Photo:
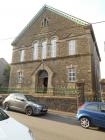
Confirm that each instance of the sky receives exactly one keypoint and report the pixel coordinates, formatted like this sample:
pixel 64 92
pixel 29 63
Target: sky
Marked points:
pixel 16 14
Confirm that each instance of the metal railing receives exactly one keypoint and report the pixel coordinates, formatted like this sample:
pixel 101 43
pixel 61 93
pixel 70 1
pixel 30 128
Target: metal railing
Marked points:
pixel 61 91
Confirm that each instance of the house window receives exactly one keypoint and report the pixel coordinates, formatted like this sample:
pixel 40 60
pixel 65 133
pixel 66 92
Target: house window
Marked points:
pixel 21 53
pixel 19 77
pixel 45 22
pixel 44 49
pixel 72 74
pixel 72 47
pixel 53 47
pixel 35 51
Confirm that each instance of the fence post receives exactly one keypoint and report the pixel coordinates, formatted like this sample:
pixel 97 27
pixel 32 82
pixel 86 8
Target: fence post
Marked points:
pixel 77 100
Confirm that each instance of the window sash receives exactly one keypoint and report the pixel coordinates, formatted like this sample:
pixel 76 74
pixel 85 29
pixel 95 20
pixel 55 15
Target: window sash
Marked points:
pixel 19 77
pixel 72 47
pixel 21 55
pixel 53 48
pixel 35 51
pixel 44 49
pixel 72 74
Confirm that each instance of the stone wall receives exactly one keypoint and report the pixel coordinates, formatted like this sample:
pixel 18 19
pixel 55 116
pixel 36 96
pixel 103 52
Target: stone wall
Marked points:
pixel 67 104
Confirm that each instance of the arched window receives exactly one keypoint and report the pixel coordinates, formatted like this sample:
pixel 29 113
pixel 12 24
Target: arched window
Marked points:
pixel 44 49
pixel 35 51
pixel 21 55
pixel 45 22
pixel 53 47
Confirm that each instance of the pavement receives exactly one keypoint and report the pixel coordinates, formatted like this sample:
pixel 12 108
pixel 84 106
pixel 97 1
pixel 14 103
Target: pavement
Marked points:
pixel 56 112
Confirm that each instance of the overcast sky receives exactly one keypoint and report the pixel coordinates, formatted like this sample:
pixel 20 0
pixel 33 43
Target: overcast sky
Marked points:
pixel 15 14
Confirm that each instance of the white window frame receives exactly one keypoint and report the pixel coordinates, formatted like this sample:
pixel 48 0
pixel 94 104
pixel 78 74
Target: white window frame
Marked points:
pixel 19 77
pixel 35 51
pixel 21 53
pixel 44 49
pixel 53 47
pixel 72 74
pixel 72 47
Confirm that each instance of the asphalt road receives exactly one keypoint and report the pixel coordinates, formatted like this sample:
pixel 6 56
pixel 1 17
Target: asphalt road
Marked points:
pixel 57 127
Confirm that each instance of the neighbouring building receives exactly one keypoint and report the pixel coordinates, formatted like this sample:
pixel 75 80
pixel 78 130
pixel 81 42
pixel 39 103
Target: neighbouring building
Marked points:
pixel 55 50
pixel 102 83
pixel 3 79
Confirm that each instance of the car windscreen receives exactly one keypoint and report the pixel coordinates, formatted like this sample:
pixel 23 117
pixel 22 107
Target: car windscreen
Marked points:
pixel 3 115
pixel 30 98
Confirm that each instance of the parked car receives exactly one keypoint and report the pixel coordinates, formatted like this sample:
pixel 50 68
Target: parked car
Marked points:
pixel 24 103
pixel 92 113
pixel 10 129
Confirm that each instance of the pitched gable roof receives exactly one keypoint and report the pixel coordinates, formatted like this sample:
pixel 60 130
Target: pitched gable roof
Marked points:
pixel 3 61
pixel 63 14
pixel 45 7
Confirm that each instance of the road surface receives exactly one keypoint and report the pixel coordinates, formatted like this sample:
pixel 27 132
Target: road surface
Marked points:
pixel 57 127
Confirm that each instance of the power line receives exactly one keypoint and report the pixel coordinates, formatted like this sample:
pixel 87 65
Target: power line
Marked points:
pixel 9 38
pixel 6 38
pixel 97 22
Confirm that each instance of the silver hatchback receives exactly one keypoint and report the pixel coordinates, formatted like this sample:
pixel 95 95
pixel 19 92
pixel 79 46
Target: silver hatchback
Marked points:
pixel 24 103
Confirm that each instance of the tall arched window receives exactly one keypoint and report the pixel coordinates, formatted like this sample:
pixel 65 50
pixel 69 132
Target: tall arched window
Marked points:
pixel 44 49
pixel 53 47
pixel 21 55
pixel 35 51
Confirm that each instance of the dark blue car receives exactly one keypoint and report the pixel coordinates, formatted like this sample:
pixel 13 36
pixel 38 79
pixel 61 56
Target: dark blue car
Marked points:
pixel 92 113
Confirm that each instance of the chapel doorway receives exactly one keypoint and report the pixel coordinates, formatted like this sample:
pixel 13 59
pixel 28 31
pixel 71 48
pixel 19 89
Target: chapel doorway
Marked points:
pixel 42 81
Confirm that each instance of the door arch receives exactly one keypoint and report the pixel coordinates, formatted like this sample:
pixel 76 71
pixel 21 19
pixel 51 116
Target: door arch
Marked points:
pixel 35 75
pixel 42 82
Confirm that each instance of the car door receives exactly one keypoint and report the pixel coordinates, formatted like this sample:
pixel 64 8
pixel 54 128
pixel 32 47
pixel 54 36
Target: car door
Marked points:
pixel 93 111
pixel 20 103
pixel 11 100
pixel 102 115
pixel 97 112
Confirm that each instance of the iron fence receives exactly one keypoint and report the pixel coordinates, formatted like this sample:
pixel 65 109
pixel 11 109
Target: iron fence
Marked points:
pixel 61 91
pixel 52 91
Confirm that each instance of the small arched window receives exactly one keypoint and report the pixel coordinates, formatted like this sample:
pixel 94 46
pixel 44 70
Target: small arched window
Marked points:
pixel 45 22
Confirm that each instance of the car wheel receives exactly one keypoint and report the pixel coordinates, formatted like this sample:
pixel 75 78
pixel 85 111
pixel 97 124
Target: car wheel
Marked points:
pixel 6 106
pixel 29 111
pixel 85 122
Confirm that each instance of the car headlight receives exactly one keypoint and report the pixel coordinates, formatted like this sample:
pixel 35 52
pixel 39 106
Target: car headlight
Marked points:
pixel 39 107
pixel 30 132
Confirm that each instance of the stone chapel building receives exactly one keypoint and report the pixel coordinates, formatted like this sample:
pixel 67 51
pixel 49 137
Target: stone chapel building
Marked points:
pixel 55 50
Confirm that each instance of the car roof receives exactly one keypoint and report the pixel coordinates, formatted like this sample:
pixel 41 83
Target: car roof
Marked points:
pixel 20 94
pixel 17 93
pixel 94 103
